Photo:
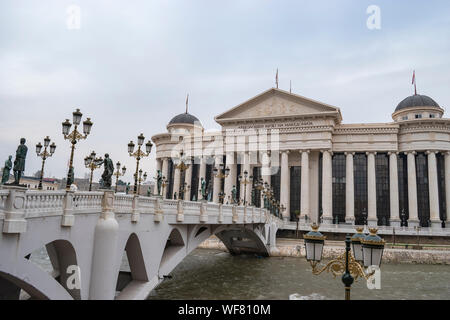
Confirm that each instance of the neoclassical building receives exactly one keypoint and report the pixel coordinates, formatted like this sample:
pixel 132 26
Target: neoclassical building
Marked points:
pixel 390 174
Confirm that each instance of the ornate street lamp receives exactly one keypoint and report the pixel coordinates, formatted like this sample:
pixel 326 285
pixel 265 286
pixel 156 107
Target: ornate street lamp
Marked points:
pixel 118 173
pixel 243 180
pixel 221 173
pixel 138 155
pixel 183 189
pixel 92 163
pixel 140 178
pixel 346 265
pixel 73 137
pixel 182 166
pixel 44 155
pixel 221 197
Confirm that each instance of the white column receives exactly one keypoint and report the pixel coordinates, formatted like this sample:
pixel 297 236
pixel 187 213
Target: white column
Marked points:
pixel 327 190
pixel 433 190
pixel 265 172
pixel 304 193
pixel 188 179
pixel 230 181
pixel 158 164
pixel 165 171
pixel 247 189
pixel 371 190
pixel 284 184
pixel 447 187
pixel 349 189
pixel 176 183
pixel 217 181
pixel 393 190
pixel 202 174
pixel 412 191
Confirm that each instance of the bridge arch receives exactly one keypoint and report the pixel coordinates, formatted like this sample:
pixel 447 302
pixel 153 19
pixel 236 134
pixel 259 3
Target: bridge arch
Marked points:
pixel 27 276
pixel 174 251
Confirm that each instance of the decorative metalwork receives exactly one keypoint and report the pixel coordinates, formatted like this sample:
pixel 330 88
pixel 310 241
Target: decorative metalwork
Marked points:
pixel 139 154
pixel 118 173
pixel 92 163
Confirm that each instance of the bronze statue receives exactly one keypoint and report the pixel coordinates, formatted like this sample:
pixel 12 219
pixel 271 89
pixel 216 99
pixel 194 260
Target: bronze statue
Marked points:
pixel 108 172
pixel 159 181
pixel 234 193
pixel 19 162
pixel 127 188
pixel 6 170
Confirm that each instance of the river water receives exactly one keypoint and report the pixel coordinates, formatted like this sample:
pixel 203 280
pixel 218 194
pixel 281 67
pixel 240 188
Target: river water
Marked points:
pixel 213 274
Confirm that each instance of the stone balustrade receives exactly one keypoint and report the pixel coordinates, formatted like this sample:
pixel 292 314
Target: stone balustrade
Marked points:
pixel 28 204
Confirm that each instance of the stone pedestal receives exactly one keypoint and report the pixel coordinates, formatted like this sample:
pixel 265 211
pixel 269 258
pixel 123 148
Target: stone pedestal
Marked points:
pixel 68 219
pixel 15 210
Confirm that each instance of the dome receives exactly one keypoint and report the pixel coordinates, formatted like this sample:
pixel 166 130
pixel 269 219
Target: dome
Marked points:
pixel 184 118
pixel 416 101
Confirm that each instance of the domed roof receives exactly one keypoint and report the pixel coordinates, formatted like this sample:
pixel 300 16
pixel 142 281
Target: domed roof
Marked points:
pixel 184 118
pixel 416 101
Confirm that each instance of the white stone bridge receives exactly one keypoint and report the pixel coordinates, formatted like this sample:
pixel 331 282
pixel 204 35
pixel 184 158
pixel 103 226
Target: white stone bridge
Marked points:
pixel 86 233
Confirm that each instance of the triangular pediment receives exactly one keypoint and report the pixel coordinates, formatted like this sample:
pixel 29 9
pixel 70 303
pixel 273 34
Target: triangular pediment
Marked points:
pixel 276 103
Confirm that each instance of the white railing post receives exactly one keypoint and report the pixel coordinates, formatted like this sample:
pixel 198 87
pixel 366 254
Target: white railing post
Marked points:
pixel 68 219
pixel 180 211
pixel 15 211
pixel 235 214
pixel 103 273
pixel 135 214
pixel 203 212
pixel 220 218
pixel 158 211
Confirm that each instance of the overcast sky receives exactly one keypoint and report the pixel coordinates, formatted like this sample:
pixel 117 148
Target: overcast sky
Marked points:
pixel 130 64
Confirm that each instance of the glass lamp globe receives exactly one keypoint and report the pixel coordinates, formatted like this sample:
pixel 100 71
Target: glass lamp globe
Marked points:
pixel 314 241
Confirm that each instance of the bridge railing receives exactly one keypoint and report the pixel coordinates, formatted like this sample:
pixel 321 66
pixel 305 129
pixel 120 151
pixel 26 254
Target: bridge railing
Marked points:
pixel 17 205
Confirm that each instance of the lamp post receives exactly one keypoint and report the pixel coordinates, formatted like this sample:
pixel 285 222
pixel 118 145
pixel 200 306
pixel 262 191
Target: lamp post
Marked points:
pixel 139 178
pixel 367 252
pixel 243 180
pixel 44 155
pixel 118 173
pixel 221 173
pixel 221 197
pixel 259 186
pixel 183 189
pixel 139 154
pixel 74 137
pixel 92 163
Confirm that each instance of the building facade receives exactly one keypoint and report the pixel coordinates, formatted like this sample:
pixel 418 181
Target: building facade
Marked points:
pixel 386 174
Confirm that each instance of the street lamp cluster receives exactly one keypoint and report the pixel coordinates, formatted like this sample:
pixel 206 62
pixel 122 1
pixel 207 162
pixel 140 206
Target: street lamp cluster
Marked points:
pixel 367 252
pixel 139 154
pixel 44 155
pixel 243 180
pixel 92 163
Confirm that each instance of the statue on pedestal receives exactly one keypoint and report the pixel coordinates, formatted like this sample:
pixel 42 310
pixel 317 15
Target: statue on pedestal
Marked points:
pixel 19 162
pixel 203 188
pixel 127 188
pixel 6 170
pixel 175 196
pixel 233 194
pixel 159 181
pixel 108 172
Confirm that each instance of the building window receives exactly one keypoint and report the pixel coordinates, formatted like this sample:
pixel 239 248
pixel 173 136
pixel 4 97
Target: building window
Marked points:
pixel 194 181
pixel 275 183
pixel 295 191
pixel 338 187
pixel 360 183
pixel 237 182
pixel 440 159
pixel 418 116
pixel 170 174
pixel 402 167
pixel 423 200
pixel 256 194
pixel 209 181
pixel 432 115
pixel 405 118
pixel 383 193
pixel 320 186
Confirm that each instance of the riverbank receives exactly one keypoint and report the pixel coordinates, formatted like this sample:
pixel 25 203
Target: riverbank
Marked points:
pixel 331 250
